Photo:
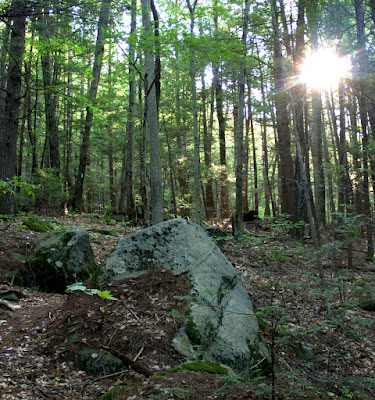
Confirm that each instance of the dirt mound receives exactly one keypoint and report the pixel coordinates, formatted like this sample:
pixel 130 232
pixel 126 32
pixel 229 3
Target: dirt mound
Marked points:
pixel 140 324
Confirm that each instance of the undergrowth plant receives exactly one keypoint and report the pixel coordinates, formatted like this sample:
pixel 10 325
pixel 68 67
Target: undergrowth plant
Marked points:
pixel 106 294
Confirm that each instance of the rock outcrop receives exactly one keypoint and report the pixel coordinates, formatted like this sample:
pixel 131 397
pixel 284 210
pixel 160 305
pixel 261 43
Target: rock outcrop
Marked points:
pixel 221 325
pixel 63 257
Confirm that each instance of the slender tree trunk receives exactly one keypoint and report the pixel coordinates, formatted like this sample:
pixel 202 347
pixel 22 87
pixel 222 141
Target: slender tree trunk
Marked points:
pixel 286 172
pixel 223 178
pixel 196 163
pixel 238 142
pixel 317 155
pixel 144 170
pixel 10 112
pixel 355 149
pixel 150 80
pixel 4 63
pixel 52 133
pixel 255 162
pixel 363 110
pixel 171 170
pixel 69 133
pixel 246 160
pixel 207 148
pixel 266 184
pixel 85 145
pixel 127 196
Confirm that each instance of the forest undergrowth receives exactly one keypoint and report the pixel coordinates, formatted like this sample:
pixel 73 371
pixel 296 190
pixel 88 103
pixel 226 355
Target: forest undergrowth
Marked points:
pixel 319 352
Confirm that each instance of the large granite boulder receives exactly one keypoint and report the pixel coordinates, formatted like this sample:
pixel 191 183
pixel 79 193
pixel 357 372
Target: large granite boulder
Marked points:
pixel 221 324
pixel 63 257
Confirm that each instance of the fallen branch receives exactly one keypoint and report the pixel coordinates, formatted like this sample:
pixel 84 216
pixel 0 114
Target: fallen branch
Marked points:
pixel 6 304
pixel 134 365
pixel 18 293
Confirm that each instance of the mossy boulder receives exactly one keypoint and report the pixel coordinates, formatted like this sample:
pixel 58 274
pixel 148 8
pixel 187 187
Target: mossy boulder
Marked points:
pixel 368 304
pixel 98 362
pixel 63 257
pixel 221 324
pixel 37 224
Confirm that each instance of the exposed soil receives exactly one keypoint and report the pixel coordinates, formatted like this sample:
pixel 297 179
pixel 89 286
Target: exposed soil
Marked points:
pixel 324 343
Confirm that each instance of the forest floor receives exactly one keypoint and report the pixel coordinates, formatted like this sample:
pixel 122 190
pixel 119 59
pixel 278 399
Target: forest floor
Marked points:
pixel 323 340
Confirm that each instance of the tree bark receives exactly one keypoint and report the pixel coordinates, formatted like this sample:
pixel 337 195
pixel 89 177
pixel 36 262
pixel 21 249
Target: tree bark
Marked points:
pixel 286 172
pixel 238 142
pixel 224 209
pixel 127 195
pixel 196 162
pixel 9 114
pixel 207 148
pixel 363 110
pixel 150 80
pixel 52 133
pixel 85 145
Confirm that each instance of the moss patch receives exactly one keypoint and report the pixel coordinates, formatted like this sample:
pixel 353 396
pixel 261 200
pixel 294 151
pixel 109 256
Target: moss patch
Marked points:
pixel 210 367
pixel 37 224
pixel 106 232
pixel 113 393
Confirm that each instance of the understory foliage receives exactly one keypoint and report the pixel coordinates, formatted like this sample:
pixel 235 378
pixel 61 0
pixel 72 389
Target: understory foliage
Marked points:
pixel 318 352
pixel 230 110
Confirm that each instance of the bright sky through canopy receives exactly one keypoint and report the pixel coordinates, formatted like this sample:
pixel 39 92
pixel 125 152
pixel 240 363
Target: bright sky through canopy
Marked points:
pixel 323 69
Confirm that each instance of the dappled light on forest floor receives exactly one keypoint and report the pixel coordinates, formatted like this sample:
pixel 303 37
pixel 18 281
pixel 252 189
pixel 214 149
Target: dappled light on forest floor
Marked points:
pixel 319 355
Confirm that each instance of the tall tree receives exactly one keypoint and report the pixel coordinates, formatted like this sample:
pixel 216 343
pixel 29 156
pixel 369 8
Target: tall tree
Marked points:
pixel 52 135
pixel 192 73
pixel 9 110
pixel 151 105
pixel 77 201
pixel 127 195
pixel 286 172
pixel 207 148
pixel 363 111
pixel 238 216
pixel 224 208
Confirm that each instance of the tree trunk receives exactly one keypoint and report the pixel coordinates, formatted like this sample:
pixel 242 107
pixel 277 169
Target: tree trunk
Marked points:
pixel 207 148
pixel 127 196
pixel 52 133
pixel 223 178
pixel 150 80
pixel 85 145
pixel 286 172
pixel 9 114
pixel 255 162
pixel 196 163
pixel 144 170
pixel 363 111
pixel 238 142
pixel 266 184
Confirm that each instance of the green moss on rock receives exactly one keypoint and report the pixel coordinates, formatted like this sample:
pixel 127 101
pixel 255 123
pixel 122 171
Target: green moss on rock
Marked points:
pixel 113 393
pixel 210 367
pixel 368 304
pixel 37 224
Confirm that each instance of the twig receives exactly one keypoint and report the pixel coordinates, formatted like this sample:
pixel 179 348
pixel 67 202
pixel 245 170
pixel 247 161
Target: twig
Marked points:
pixel 4 291
pixel 139 353
pixel 107 376
pixel 6 304
pixel 134 365
pixel 135 315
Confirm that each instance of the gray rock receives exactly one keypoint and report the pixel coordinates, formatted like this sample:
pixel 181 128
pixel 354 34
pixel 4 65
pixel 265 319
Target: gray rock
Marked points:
pixel 99 362
pixel 62 258
pixel 221 323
